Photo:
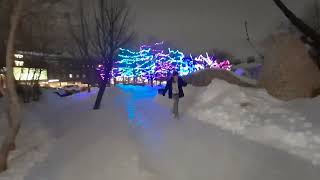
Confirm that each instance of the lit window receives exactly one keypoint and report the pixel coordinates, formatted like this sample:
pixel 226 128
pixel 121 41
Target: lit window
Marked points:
pixel 18 56
pixel 77 75
pixel 19 63
pixel 84 76
pixel 70 75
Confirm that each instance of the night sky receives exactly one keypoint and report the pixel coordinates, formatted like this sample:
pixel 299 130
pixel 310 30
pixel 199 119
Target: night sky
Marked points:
pixel 199 25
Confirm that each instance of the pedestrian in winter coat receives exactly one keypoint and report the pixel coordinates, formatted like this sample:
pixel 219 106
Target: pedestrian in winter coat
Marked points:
pixel 174 86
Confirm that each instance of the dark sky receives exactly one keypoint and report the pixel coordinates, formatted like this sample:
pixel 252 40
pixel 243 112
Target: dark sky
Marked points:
pixel 199 25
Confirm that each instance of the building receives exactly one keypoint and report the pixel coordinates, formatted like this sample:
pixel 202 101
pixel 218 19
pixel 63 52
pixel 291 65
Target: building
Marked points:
pixel 53 70
pixel 69 71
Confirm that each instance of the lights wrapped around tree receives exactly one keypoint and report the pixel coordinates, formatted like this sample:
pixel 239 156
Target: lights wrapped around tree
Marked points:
pixel 166 62
pixel 134 64
pixel 153 62
pixel 203 62
pixel 226 65
pixel 101 71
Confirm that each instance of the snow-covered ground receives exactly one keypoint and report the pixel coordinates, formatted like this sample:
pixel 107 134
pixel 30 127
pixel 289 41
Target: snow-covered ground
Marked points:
pixel 78 138
pixel 33 142
pixel 290 126
pixel 133 136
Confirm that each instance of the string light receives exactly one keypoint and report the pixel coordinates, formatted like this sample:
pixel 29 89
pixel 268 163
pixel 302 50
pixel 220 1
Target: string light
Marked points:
pixel 153 62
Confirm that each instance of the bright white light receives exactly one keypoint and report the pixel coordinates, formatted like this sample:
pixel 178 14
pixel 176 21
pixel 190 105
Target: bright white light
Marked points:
pixel 53 80
pixel 28 74
pixel 19 63
pixel 18 56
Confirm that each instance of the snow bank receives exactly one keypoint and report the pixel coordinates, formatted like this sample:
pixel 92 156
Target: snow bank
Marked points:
pixel 206 76
pixel 254 114
pixel 29 152
pixel 33 143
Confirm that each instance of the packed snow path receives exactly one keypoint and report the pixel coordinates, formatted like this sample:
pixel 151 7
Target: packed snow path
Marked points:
pixel 133 137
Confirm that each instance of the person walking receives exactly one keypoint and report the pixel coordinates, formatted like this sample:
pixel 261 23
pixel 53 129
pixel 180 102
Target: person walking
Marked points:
pixel 174 87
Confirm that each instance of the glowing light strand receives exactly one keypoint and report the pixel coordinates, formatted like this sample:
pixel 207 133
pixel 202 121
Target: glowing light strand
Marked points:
pixel 153 62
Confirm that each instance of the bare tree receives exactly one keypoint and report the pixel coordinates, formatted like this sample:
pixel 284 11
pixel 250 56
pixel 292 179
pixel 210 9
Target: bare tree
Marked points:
pixel 35 36
pixel 311 15
pixel 17 10
pixel 316 19
pixel 14 106
pixel 80 34
pixel 2 82
pixel 221 54
pixel 101 33
pixel 5 10
pixel 250 41
pixel 310 35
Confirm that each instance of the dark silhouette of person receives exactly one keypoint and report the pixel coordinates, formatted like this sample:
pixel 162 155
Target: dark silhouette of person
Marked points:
pixel 174 87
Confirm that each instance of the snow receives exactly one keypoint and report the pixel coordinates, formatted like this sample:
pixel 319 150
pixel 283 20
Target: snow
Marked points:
pixel 134 137
pixel 245 79
pixel 255 115
pixel 33 143
pixel 82 136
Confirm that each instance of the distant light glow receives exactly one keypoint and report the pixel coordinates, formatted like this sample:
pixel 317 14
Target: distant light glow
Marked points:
pixel 53 80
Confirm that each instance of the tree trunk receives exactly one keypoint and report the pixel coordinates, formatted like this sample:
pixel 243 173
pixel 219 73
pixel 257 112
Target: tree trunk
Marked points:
pixel 302 26
pixel 13 102
pixel 152 81
pixel 21 72
pixel 29 69
pixel 38 78
pixel 100 95
pixel 2 81
pixel 89 88
pixel 135 81
pixel 104 83
pixel 114 81
pixel 33 76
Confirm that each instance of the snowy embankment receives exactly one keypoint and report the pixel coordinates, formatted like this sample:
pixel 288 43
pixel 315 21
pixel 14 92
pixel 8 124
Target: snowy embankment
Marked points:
pixel 33 142
pixel 204 77
pixel 252 113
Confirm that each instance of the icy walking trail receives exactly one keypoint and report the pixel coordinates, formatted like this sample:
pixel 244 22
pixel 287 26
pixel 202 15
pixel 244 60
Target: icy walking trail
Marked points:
pixel 92 144
pixel 134 137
